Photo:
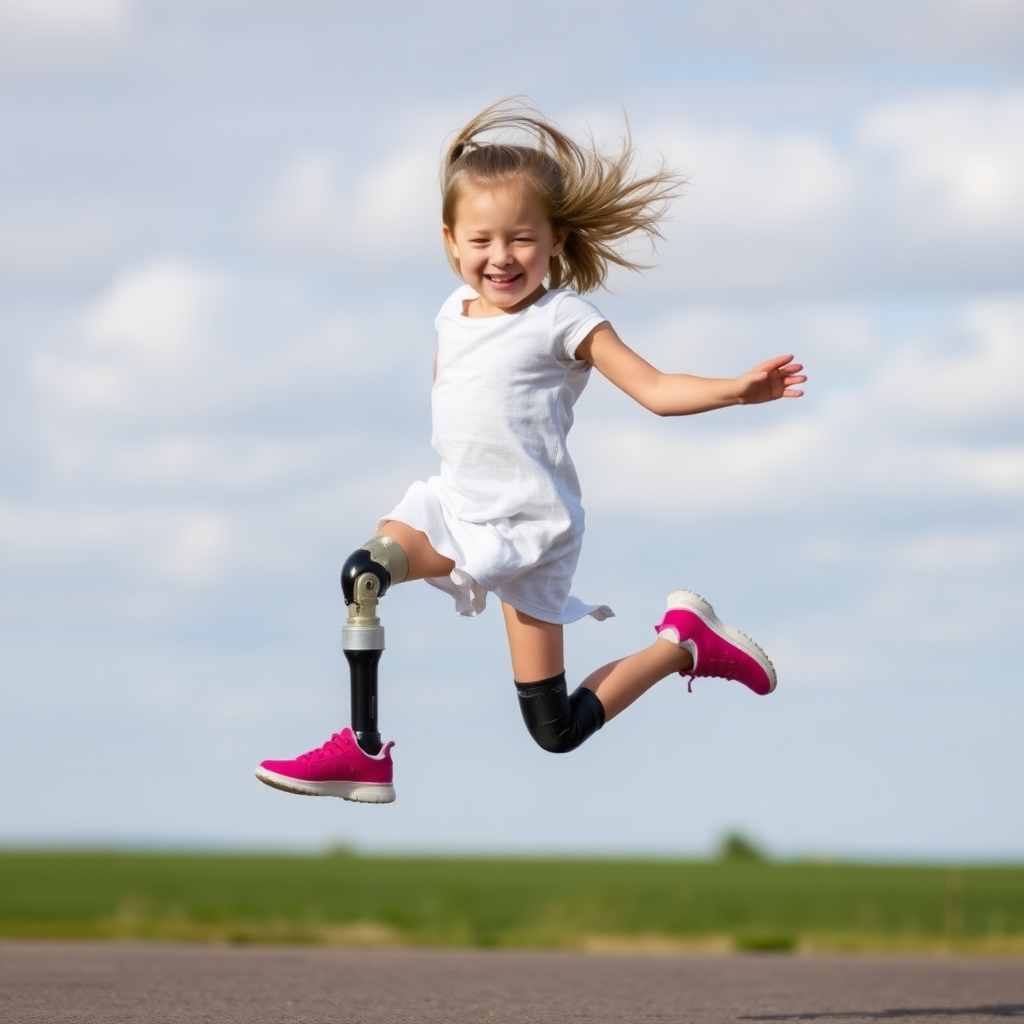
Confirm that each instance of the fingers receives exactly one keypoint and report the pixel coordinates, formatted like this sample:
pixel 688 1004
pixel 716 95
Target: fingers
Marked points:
pixel 788 381
pixel 789 372
pixel 790 375
pixel 778 371
pixel 772 365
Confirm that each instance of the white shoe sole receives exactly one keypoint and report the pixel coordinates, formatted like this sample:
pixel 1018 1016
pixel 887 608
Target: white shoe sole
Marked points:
pixel 357 792
pixel 688 600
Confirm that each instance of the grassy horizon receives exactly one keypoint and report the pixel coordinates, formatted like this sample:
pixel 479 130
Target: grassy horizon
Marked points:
pixel 344 898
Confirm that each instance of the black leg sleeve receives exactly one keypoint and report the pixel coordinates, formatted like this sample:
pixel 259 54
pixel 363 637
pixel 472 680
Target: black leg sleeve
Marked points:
pixel 557 721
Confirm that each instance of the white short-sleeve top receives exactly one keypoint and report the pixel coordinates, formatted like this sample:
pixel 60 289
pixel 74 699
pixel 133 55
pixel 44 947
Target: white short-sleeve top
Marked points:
pixel 503 405
pixel 509 509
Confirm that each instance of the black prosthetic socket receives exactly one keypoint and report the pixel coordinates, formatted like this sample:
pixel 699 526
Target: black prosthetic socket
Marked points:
pixel 558 721
pixel 356 564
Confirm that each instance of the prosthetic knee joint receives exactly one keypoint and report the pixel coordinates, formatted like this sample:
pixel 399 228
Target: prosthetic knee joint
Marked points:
pixel 365 578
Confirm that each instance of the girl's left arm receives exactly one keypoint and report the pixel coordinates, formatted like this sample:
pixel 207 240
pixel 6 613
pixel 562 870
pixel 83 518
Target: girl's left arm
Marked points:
pixel 681 394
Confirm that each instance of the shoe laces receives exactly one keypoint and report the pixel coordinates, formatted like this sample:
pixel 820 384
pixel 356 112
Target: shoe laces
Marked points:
pixel 720 668
pixel 709 667
pixel 337 744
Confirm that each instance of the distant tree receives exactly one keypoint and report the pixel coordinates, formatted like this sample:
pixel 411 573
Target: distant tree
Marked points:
pixel 736 846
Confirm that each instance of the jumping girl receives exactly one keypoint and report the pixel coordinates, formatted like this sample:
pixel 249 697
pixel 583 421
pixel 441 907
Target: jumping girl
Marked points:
pixel 531 219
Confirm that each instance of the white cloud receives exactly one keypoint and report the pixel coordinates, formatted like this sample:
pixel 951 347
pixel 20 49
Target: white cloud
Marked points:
pixel 656 471
pixel 969 550
pixel 974 384
pixel 171 462
pixel 957 159
pixel 307 208
pixel 170 346
pixel 996 470
pixel 386 211
pixel 964 549
pixel 140 343
pixel 168 338
pixel 195 551
pixel 189 545
pixel 58 38
pixel 749 181
pixel 60 17
pixel 809 32
pixel 160 313
pixel 180 382
pixel 840 460
pixel 922 192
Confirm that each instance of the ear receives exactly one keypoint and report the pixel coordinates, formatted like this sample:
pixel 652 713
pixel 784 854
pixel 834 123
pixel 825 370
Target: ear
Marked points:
pixel 450 239
pixel 561 236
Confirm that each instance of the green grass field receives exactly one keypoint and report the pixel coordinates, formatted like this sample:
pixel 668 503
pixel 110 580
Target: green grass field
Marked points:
pixel 579 904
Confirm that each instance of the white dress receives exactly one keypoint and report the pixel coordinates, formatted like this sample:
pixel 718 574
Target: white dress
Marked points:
pixel 506 506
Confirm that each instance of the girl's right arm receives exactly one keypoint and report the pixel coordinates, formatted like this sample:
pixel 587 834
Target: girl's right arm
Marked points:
pixel 682 394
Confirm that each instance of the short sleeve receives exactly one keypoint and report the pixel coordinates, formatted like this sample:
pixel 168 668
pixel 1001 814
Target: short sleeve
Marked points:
pixel 452 308
pixel 573 318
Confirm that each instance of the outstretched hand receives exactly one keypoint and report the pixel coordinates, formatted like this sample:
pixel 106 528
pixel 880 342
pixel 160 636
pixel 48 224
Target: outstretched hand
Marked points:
pixel 770 380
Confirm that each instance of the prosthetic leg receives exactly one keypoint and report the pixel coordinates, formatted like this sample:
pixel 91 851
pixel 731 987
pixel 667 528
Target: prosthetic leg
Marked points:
pixel 353 764
pixel 365 578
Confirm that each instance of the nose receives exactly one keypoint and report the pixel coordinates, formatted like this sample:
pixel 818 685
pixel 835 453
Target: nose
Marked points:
pixel 500 255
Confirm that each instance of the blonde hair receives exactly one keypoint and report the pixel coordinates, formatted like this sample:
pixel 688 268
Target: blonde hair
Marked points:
pixel 597 199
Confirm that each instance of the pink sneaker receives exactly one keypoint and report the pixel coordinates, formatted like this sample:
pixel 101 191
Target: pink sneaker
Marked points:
pixel 717 649
pixel 339 768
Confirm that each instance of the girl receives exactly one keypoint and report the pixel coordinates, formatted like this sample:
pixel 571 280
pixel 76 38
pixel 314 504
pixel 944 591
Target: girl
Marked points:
pixel 504 515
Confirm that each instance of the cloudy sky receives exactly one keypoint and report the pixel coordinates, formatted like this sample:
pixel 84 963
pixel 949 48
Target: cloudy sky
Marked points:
pixel 220 261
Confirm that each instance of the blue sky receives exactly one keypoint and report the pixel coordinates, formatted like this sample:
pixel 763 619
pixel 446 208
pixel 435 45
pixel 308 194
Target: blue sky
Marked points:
pixel 220 262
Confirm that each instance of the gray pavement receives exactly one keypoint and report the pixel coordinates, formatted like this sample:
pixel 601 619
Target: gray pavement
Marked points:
pixel 109 982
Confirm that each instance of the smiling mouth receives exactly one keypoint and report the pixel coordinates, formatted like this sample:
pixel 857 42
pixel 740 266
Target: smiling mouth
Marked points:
pixel 502 279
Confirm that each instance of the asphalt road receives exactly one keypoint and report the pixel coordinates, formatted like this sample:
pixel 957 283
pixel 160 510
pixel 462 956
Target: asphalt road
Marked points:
pixel 107 982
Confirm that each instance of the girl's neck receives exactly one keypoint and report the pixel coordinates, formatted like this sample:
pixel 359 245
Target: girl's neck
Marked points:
pixel 479 309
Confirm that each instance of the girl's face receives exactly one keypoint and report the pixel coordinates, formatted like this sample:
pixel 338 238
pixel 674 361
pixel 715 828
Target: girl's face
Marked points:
pixel 504 243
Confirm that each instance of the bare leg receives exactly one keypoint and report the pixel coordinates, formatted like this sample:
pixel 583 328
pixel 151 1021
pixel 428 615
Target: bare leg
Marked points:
pixel 537 651
pixel 536 647
pixel 424 561
pixel 620 683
